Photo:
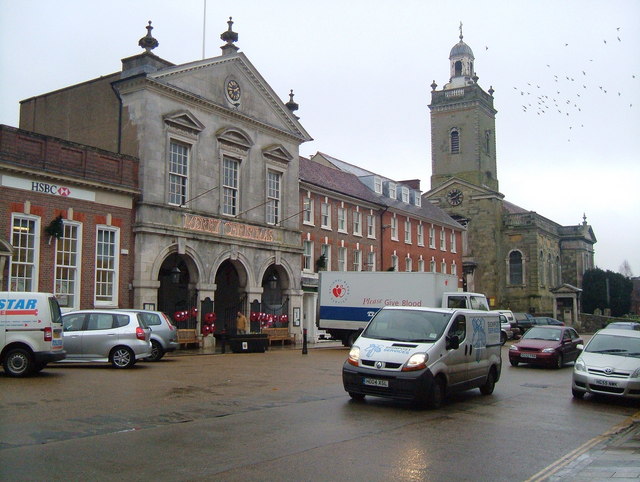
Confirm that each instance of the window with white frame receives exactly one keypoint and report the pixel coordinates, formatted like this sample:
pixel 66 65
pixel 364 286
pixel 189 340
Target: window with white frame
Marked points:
pixel 392 190
pixel 454 268
pixel 420 234
pixel 357 260
pixel 342 259
pixel 418 199
pixel 432 237
pixel 307 256
pixel 432 265
pixel 394 262
pixel 443 240
pixel 377 185
pixel 405 194
pixel 178 172
pixel 371 226
pixel 274 186
pixel 453 242
pixel 230 185
pixel 408 262
pixel 371 261
pixel 407 231
pixel 67 266
pixel 107 249
pixel 307 208
pixel 25 239
pixel 421 265
pixel 357 223
pixel 325 215
pixel 394 228
pixel 342 220
pixel 325 250
pixel 443 266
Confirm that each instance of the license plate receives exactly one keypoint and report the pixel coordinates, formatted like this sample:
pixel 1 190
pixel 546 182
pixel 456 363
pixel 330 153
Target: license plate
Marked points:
pixel 605 383
pixel 528 355
pixel 376 382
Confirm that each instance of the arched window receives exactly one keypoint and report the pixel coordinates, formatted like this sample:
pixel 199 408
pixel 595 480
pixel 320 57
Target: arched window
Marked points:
pixel 458 68
pixel 454 141
pixel 515 268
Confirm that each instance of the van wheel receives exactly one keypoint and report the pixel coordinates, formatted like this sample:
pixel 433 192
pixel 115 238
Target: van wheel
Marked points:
pixel 490 384
pixel 436 396
pixel 122 357
pixel 18 363
pixel 156 351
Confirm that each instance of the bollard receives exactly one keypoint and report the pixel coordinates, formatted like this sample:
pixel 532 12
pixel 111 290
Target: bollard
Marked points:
pixel 304 341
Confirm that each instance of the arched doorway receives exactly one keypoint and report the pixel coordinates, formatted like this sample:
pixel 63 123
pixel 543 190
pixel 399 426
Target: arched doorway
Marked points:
pixel 230 296
pixel 274 303
pixel 177 293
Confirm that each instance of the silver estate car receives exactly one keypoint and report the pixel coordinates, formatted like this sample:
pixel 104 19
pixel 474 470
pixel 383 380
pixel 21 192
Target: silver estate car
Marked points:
pixel 609 365
pixel 164 335
pixel 117 337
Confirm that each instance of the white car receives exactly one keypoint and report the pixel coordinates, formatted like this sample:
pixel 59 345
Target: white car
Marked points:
pixel 609 365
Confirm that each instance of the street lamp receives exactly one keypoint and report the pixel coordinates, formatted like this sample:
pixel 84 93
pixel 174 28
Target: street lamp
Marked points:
pixel 272 281
pixel 175 275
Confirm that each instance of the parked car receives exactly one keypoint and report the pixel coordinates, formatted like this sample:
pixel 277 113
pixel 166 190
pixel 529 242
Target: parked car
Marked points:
pixel 506 332
pixel 550 346
pixel 624 325
pixel 609 365
pixel 522 321
pixel 512 321
pixel 164 335
pixel 120 338
pixel 546 320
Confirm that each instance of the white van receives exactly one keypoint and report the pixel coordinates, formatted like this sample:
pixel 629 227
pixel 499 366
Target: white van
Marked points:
pixel 30 332
pixel 421 354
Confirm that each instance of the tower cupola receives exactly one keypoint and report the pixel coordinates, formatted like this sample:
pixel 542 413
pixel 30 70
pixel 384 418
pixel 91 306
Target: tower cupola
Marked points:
pixel 461 65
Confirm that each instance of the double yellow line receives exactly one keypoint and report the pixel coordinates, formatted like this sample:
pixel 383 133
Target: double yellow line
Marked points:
pixel 574 454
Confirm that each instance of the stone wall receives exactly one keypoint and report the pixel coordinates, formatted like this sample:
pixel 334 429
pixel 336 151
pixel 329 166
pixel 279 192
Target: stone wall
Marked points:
pixel 588 323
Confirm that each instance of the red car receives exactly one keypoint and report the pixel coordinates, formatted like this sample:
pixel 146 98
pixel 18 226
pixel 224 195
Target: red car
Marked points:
pixel 548 345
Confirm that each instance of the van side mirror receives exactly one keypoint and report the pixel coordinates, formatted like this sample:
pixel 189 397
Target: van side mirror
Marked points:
pixel 580 346
pixel 453 342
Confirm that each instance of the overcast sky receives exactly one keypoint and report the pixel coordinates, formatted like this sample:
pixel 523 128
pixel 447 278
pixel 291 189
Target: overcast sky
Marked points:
pixel 566 76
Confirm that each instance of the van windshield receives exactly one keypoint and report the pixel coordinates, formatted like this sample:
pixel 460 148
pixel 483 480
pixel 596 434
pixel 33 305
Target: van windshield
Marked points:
pixel 407 325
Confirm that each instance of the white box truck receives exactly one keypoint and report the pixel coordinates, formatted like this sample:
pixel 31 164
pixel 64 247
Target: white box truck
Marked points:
pixel 349 299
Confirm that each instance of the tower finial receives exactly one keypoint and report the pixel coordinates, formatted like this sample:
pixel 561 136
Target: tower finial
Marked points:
pixel 461 30
pixel 148 42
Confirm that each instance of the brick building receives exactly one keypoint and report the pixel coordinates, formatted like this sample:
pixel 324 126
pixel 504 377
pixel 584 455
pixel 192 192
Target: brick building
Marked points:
pixel 356 220
pixel 66 217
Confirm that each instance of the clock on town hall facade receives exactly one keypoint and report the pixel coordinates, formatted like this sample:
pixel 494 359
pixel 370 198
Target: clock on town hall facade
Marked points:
pixel 518 258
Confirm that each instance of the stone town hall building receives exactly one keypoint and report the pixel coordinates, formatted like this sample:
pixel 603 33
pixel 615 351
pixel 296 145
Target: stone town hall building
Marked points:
pixel 522 261
pixel 205 230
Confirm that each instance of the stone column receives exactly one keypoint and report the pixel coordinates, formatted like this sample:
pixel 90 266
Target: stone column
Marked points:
pixel 145 291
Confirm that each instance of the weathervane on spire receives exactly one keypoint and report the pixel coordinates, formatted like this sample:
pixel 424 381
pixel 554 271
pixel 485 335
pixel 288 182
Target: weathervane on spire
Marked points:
pixel 460 30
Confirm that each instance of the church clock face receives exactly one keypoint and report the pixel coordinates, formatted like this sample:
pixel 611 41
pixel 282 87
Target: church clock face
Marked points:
pixel 233 90
pixel 454 197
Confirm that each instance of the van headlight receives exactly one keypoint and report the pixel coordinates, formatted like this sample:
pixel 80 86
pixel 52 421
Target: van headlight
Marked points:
pixel 354 356
pixel 418 361
pixel 579 366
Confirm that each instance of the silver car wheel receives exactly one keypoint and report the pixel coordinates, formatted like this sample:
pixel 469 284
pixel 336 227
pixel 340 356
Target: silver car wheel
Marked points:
pixel 122 357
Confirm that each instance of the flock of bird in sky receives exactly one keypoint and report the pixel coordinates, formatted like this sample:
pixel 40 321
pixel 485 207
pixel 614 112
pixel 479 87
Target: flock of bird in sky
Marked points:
pixel 565 92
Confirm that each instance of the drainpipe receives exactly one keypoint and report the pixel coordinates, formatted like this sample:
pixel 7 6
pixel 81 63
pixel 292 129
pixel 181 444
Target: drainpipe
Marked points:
pixel 119 136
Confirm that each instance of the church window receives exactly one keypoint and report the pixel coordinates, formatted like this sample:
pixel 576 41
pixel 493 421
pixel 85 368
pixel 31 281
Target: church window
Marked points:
pixel 458 68
pixel 454 138
pixel 541 269
pixel 516 268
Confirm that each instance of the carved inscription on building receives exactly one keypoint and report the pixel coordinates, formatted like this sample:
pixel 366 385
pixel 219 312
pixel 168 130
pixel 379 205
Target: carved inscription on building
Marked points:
pixel 228 228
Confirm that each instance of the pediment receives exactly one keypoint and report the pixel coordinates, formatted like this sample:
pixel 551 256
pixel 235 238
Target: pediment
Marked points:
pixel 185 121
pixel 207 82
pixel 468 187
pixel 234 136
pixel 277 153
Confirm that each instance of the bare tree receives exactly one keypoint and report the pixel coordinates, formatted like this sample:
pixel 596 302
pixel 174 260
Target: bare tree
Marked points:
pixel 625 269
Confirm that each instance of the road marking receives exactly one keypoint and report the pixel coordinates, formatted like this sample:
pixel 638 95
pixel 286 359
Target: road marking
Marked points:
pixel 574 454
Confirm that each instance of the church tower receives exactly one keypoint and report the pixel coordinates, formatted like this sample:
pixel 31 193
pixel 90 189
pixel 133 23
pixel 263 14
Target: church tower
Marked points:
pixel 463 143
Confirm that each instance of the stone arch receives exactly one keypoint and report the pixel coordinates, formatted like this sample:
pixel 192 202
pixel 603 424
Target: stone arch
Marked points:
pixel 239 261
pixel 190 257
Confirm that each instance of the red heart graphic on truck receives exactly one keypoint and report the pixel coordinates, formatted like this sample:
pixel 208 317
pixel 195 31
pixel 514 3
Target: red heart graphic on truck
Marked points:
pixel 337 291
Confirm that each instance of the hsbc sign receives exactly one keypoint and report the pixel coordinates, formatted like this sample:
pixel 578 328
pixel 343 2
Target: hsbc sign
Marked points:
pixel 48 188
